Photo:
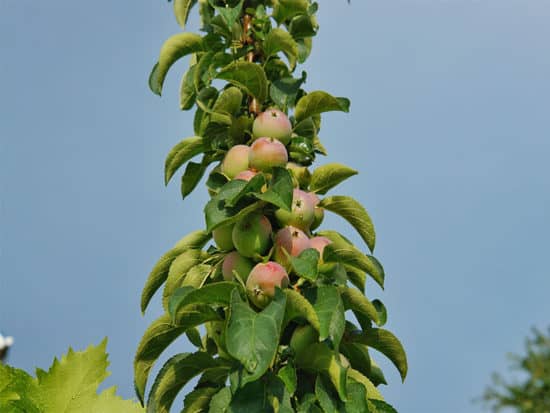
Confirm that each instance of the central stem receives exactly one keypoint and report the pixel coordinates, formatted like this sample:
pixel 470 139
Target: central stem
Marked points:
pixel 253 105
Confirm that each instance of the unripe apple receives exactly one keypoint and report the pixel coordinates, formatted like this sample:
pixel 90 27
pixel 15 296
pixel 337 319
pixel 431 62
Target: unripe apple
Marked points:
pixel 318 212
pixel 293 241
pixel 300 174
pixel 302 213
pixel 252 235
pixel 274 124
pixel 235 161
pixel 223 237
pixel 319 243
pixel 266 153
pixel 236 263
pixel 302 339
pixel 262 281
pixel 246 175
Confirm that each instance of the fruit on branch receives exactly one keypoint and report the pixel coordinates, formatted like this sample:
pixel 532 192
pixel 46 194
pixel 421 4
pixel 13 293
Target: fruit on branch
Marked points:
pixel 273 124
pixel 293 241
pixel 318 212
pixel 246 175
pixel 223 237
pixel 235 161
pixel 266 153
pixel 300 174
pixel 262 281
pixel 302 338
pixel 235 264
pixel 302 213
pixel 319 243
pixel 252 235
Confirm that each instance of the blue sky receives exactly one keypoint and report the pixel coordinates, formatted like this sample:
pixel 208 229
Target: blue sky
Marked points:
pixel 449 129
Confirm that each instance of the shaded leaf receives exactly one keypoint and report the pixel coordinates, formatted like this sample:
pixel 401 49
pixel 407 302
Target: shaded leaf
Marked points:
pixel 279 40
pixel 284 91
pixel 306 263
pixel 354 300
pixel 298 307
pixel 285 10
pixel 181 153
pixel 280 191
pixel 178 271
pixel 187 89
pixel 247 76
pixel 288 375
pixel 220 401
pixel 318 102
pixel 217 294
pixel 198 401
pixel 329 308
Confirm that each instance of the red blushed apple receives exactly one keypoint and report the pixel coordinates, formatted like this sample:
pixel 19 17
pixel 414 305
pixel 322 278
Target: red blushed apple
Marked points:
pixel 274 124
pixel 293 241
pixel 318 212
pixel 223 237
pixel 252 235
pixel 235 263
pixel 266 153
pixel 302 214
pixel 246 175
pixel 319 243
pixel 262 281
pixel 235 161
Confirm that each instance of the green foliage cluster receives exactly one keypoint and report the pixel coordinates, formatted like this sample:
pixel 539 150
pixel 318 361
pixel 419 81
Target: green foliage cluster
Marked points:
pixel 532 394
pixel 245 361
pixel 69 386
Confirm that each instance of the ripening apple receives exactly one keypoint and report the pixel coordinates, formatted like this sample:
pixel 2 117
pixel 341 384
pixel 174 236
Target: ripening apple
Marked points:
pixel 293 241
pixel 318 212
pixel 235 161
pixel 223 237
pixel 236 263
pixel 262 281
pixel 300 174
pixel 319 243
pixel 266 153
pixel 302 212
pixel 302 339
pixel 274 124
pixel 252 235
pixel 246 175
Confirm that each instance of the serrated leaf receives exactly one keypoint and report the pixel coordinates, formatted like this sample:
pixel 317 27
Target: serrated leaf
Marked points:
pixel 279 40
pixel 354 300
pixel 253 338
pixel 173 376
pixel 357 277
pixel 18 391
pixel 196 276
pixel 251 187
pixel 383 407
pixel 228 14
pixel 353 212
pixel 386 343
pixel 173 49
pixel 181 10
pixel 328 305
pixel 220 401
pixel 217 294
pixel 198 401
pixel 284 91
pixel 357 398
pixel 326 400
pixel 358 356
pixel 187 89
pixel 247 76
pixel 306 263
pixel 372 391
pixel 284 10
pixel 159 335
pixel 298 307
pixel 317 102
pixel 178 271
pixel 328 176
pixel 280 190
pixel 229 101
pixel 181 153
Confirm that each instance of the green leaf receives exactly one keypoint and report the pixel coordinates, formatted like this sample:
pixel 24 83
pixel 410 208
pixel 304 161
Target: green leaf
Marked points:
pixel 303 26
pixel 252 398
pixel 372 391
pixel 197 275
pixel 187 89
pixel 382 312
pixel 298 307
pixel 159 335
pixel 178 271
pixel 386 343
pixel 288 375
pixel 357 277
pixel 173 49
pixel 229 101
pixel 317 102
pixel 357 398
pixel 194 336
pixel 173 376
pixel 198 400
pixel 278 395
pixel 217 294
pixel 353 212
pixel 220 401
pixel 284 10
pixel 251 187
pixel 181 153
pixel 327 401
pixel 181 10
pixel 280 191
pixel 329 308
pixel 354 300
pixel 18 391
pixel 383 407
pixel 279 40
pixel 304 48
pixel 247 76
pixel 342 251
pixel 306 263
pixel 284 91
pixel 191 177
pixel 229 14
pixel 328 176
pixel 253 338
pixel 158 275
pixel 358 356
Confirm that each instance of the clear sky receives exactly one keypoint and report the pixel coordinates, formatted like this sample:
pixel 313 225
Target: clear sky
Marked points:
pixel 449 127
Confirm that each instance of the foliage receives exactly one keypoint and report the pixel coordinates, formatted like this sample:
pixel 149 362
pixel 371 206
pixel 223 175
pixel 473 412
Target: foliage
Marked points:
pixel 532 395
pixel 299 353
pixel 69 386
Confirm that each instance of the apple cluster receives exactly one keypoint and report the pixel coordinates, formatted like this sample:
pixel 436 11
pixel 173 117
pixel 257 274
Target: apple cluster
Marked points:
pixel 259 245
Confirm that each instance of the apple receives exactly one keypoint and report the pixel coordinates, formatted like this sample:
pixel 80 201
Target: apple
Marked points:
pixel 293 241
pixel 235 161
pixel 318 212
pixel 319 243
pixel 266 153
pixel 246 175
pixel 223 237
pixel 236 263
pixel 252 235
pixel 300 174
pixel 274 124
pixel 262 281
pixel 302 338
pixel 302 214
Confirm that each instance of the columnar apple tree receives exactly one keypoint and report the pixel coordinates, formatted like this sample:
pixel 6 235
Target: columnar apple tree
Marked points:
pixel 263 289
